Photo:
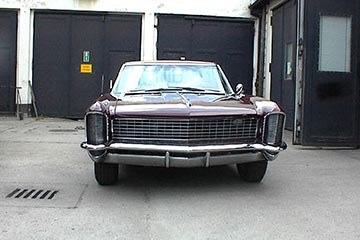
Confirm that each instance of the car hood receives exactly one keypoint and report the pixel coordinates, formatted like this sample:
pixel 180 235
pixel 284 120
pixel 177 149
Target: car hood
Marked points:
pixel 183 105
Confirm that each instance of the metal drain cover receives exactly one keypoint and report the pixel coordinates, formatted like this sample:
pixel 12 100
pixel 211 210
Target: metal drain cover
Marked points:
pixel 32 194
pixel 39 195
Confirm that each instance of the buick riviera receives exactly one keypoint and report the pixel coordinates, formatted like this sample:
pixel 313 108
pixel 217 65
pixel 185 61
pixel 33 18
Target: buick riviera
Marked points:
pixel 181 114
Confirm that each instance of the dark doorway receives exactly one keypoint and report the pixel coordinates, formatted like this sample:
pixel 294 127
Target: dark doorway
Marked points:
pixel 283 59
pixel 76 56
pixel 331 95
pixel 8 42
pixel 226 41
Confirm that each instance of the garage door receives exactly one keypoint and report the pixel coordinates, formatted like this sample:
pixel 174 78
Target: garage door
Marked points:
pixel 8 35
pixel 227 41
pixel 76 56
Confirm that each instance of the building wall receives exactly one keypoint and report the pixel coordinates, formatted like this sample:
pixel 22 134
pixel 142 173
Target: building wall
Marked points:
pixel 148 8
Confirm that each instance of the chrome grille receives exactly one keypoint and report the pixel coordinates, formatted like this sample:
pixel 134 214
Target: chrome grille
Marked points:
pixel 196 131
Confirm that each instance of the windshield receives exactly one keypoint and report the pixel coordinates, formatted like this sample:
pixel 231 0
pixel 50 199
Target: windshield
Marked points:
pixel 138 78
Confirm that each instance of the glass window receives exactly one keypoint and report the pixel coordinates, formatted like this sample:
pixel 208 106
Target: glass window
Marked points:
pixel 148 77
pixel 335 44
pixel 288 61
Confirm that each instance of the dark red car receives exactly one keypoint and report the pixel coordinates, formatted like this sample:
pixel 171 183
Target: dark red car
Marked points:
pixel 181 114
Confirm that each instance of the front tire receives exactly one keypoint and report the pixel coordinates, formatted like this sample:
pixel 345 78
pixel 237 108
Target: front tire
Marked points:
pixel 252 171
pixel 106 173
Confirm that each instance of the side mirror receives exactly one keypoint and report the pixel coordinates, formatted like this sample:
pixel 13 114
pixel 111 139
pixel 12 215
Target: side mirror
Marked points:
pixel 239 89
pixel 111 84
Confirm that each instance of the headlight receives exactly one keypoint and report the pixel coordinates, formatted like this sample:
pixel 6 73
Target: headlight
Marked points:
pixel 96 128
pixel 274 128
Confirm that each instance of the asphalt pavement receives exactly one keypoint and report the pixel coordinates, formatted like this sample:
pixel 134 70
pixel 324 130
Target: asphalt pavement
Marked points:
pixel 48 191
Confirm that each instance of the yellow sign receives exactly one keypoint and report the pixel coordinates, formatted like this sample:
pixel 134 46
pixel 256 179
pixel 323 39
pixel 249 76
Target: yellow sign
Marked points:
pixel 85 68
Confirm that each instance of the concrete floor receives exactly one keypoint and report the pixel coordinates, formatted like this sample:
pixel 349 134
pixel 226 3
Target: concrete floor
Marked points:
pixel 306 193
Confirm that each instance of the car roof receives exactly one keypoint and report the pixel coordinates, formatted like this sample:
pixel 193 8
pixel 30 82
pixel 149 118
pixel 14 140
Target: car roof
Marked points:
pixel 170 62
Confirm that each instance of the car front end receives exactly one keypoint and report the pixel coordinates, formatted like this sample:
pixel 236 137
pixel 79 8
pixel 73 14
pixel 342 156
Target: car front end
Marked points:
pixel 182 127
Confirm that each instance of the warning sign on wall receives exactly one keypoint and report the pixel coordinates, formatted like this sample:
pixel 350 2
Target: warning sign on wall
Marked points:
pixel 85 68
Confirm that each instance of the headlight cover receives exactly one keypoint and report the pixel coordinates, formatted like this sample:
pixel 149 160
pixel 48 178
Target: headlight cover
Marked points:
pixel 273 128
pixel 96 128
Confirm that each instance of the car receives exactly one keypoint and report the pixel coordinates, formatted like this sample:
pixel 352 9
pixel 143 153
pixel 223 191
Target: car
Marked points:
pixel 181 114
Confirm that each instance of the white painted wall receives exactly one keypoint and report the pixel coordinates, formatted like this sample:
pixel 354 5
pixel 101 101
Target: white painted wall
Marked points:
pixel 223 8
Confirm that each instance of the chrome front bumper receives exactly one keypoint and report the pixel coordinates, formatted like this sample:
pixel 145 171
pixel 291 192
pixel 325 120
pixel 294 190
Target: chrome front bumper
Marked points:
pixel 182 156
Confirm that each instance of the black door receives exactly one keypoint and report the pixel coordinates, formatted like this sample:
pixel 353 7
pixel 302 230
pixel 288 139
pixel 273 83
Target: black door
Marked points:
pixel 226 41
pixel 76 55
pixel 331 96
pixel 8 36
pixel 87 36
pixel 51 77
pixel 122 44
pixel 283 59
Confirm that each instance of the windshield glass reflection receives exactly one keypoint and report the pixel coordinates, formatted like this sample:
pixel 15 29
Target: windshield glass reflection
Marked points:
pixel 137 78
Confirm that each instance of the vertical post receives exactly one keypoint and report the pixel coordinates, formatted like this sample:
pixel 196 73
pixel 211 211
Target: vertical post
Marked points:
pixel 149 37
pixel 24 51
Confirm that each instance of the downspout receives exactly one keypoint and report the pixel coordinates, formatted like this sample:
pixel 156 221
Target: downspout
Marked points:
pixel 300 72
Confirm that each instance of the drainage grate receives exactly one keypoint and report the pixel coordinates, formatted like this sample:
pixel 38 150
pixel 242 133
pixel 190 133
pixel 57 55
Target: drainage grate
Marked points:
pixel 19 193
pixel 50 195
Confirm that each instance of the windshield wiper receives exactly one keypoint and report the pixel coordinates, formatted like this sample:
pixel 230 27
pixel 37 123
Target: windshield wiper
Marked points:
pixel 138 92
pixel 194 89
pixel 144 91
pixel 150 90
pixel 227 97
pixel 172 89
